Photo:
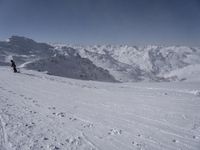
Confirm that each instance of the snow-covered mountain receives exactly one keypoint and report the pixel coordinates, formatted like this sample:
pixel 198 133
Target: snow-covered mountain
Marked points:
pixel 72 66
pixel 132 63
pixel 43 57
pixel 104 62
pixel 23 50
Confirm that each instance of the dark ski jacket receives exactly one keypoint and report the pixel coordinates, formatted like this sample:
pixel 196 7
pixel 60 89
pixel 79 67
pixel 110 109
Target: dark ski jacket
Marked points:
pixel 13 64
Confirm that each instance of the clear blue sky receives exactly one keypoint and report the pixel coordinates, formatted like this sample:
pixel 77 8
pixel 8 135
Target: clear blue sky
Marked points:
pixel 103 21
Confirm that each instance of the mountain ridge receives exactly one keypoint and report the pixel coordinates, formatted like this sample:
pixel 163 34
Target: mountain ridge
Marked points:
pixel 122 63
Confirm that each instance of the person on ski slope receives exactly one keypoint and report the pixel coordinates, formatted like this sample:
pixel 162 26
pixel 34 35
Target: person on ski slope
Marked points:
pixel 13 65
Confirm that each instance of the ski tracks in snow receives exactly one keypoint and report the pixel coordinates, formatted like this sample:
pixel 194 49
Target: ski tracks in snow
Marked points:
pixel 2 136
pixel 25 121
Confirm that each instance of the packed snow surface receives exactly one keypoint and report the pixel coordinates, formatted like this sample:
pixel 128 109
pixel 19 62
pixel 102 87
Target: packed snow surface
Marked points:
pixel 42 112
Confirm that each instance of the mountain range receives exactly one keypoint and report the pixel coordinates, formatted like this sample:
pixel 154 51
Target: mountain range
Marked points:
pixel 110 63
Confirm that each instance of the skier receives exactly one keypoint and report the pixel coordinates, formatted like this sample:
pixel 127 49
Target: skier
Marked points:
pixel 13 66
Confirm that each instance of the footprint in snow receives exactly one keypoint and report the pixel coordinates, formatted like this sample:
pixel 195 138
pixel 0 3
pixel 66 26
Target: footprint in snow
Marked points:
pixel 138 145
pixel 36 103
pixel 11 92
pixel 72 119
pixel 195 137
pixel 139 135
pixel 9 105
pixel 74 141
pixel 26 98
pixel 174 141
pixel 21 95
pixel 32 112
pixel 87 125
pixel 61 114
pixel 45 138
pixel 53 147
pixel 115 132
pixel 30 125
pixel 51 108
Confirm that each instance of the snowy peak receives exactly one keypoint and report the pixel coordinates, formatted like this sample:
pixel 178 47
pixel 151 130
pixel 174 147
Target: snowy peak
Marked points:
pixel 121 62
pixel 148 62
pixel 28 46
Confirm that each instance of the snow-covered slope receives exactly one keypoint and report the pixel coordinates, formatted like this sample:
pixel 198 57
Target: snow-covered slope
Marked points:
pixel 40 56
pixel 72 67
pixel 189 73
pixel 42 112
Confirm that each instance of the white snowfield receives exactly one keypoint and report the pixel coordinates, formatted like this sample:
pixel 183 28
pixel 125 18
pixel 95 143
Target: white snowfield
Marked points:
pixel 42 112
